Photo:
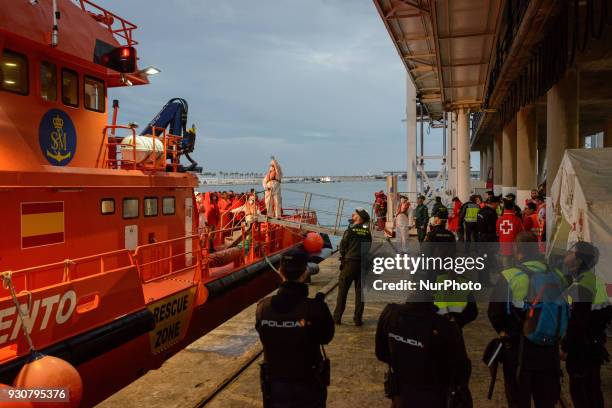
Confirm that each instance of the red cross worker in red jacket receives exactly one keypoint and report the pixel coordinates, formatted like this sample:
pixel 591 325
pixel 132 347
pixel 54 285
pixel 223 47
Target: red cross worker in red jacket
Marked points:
pixel 508 227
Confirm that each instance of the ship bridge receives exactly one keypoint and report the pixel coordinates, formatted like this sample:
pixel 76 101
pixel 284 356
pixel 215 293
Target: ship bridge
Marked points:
pixel 518 81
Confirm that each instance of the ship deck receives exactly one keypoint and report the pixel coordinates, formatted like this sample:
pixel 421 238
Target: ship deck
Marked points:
pixel 221 369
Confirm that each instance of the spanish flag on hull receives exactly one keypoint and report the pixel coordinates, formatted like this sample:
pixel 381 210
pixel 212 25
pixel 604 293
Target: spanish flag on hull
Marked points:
pixel 42 224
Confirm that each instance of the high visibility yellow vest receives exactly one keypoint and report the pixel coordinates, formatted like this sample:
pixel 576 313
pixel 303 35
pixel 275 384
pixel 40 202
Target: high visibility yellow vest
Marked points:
pixel 518 281
pixel 471 212
pixel 596 287
pixel 453 301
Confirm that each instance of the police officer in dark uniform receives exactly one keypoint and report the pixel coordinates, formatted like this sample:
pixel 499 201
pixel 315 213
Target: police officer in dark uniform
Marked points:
pixel 437 206
pixel 425 353
pixel 487 232
pixel 438 232
pixel 421 218
pixel 355 241
pixel 292 329
pixel 487 221
pixel 439 243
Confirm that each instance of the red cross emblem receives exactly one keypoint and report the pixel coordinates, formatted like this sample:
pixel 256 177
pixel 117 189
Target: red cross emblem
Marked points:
pixel 506 227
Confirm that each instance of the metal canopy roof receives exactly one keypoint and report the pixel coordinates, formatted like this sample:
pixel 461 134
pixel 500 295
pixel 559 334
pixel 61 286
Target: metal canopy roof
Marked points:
pixel 446 46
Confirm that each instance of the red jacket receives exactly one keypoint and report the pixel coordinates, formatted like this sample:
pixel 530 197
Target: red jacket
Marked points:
pixel 453 221
pixel 508 227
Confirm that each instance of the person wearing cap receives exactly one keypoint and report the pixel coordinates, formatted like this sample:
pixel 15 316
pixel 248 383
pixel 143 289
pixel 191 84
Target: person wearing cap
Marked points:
pixel 272 189
pixel 356 241
pixel 421 217
pixel 292 329
pixel 425 354
pixel 584 345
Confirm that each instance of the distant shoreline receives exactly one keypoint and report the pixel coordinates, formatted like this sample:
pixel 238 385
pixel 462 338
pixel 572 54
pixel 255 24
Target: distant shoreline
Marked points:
pixel 290 180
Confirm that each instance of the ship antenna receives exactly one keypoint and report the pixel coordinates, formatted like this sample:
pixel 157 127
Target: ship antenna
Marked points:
pixel 55 32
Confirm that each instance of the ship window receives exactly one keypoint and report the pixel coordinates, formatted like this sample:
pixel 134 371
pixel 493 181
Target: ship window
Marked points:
pixel 94 94
pixel 107 206
pixel 150 206
pixel 48 81
pixel 70 87
pixel 130 208
pixel 14 72
pixel 168 204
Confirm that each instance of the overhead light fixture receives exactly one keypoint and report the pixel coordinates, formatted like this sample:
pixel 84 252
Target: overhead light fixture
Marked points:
pixel 123 79
pixel 9 82
pixel 150 70
pixel 10 64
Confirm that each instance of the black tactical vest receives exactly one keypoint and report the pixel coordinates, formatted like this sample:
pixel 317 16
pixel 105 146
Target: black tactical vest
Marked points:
pixel 289 348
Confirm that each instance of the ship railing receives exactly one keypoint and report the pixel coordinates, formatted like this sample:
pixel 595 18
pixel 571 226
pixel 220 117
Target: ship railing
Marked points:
pixel 119 27
pixel 329 211
pixel 158 260
pixel 155 261
pixel 124 155
pixel 40 276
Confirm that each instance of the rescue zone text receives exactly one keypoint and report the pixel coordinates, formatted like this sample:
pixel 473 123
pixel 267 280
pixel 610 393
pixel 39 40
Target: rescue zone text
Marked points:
pixel 425 285
pixel 413 264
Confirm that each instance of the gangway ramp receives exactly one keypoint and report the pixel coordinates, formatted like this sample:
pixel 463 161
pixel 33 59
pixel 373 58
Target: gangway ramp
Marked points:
pixel 331 212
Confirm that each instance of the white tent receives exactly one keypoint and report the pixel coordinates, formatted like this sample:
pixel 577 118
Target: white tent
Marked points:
pixel 580 206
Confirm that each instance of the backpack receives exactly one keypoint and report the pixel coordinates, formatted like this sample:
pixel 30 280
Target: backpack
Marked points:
pixel 546 308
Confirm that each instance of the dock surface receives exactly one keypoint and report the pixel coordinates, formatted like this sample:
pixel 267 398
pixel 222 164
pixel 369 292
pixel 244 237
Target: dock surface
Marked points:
pixel 221 369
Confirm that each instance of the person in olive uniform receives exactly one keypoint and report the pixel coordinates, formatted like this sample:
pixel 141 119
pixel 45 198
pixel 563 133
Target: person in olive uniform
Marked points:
pixel 292 328
pixel 355 241
pixel 421 218
pixel 425 353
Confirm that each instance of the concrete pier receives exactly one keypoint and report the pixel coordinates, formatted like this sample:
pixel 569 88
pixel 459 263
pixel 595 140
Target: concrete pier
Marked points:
pixel 526 153
pixel 562 121
pixel 509 158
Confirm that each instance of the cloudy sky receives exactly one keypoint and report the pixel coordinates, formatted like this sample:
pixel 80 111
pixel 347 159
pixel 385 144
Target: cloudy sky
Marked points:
pixel 317 83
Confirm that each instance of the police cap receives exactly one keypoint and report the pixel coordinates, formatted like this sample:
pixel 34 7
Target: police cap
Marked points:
pixel 442 213
pixel 365 217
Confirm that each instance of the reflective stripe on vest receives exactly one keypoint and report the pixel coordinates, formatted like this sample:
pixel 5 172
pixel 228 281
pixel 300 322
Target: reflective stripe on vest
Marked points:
pixel 591 282
pixel 471 212
pixel 454 301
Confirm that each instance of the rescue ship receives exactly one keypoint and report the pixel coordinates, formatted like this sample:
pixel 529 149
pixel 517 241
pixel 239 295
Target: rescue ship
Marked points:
pixel 100 244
